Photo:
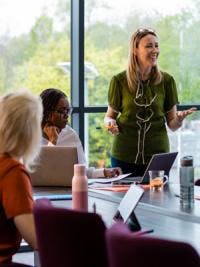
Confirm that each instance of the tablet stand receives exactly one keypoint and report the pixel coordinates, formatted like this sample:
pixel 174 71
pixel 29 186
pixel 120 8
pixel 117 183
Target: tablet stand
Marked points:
pixel 132 222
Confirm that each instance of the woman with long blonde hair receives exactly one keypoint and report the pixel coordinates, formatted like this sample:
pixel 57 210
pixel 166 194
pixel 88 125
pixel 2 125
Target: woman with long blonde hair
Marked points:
pixel 20 141
pixel 141 101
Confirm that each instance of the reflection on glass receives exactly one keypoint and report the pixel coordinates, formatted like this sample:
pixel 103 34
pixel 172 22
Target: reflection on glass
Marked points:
pixel 107 32
pixel 98 141
pixel 186 140
pixel 108 27
pixel 34 37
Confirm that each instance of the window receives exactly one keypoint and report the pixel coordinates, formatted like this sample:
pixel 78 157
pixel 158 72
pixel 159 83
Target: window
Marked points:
pixel 108 26
pixel 34 41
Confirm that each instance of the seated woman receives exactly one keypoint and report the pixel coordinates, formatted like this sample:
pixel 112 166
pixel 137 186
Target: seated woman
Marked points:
pixel 20 135
pixel 56 110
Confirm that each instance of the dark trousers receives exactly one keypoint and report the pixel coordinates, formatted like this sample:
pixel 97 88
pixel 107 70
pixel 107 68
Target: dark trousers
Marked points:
pixel 134 169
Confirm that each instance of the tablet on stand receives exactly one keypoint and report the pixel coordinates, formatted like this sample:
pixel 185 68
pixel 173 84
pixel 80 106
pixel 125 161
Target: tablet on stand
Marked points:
pixel 127 206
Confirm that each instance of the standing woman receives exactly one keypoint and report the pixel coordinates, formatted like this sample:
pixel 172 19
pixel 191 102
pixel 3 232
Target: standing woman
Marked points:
pixel 141 100
pixel 20 140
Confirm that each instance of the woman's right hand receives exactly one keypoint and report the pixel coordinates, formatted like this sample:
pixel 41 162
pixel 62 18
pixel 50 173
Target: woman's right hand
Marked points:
pixel 51 132
pixel 111 125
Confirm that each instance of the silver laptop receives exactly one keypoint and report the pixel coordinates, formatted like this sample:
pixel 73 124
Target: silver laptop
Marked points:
pixel 162 161
pixel 55 166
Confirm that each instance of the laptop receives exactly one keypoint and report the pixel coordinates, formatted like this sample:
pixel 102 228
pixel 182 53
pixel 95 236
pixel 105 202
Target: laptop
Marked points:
pixel 161 161
pixel 55 166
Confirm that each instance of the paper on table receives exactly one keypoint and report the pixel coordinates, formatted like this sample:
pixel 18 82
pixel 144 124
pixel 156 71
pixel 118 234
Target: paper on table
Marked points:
pixel 114 188
pixel 108 180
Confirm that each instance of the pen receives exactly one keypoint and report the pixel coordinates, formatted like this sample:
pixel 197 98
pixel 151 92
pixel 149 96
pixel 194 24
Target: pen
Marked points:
pixel 110 126
pixel 94 207
pixel 122 182
pixel 176 195
pixel 195 197
pixel 143 232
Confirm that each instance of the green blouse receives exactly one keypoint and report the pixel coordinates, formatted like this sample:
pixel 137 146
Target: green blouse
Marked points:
pixel 142 117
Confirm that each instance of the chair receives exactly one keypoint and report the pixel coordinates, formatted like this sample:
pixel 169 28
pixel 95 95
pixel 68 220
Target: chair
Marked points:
pixel 69 238
pixel 132 250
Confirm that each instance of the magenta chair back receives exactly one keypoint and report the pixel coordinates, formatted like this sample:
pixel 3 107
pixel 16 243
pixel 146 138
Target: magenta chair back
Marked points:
pixel 129 250
pixel 68 238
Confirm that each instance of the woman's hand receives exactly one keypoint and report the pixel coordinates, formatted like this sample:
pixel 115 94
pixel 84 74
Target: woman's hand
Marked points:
pixel 175 118
pixel 111 125
pixel 112 172
pixel 51 132
pixel 182 114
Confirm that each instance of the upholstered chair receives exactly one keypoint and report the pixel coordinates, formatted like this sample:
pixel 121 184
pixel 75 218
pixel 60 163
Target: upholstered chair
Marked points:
pixel 126 249
pixel 69 238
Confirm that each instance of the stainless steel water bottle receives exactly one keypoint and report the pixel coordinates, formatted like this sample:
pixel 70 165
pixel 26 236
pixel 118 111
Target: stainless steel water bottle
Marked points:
pixel 187 181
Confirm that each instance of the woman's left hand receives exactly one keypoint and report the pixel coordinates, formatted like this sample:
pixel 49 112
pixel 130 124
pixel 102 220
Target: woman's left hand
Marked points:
pixel 112 172
pixel 182 114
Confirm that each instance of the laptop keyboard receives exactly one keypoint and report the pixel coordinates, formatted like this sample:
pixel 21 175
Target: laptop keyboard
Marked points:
pixel 130 180
pixel 134 179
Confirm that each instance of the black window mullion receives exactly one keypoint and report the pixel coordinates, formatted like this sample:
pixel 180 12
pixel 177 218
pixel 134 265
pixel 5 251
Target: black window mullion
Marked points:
pixel 77 66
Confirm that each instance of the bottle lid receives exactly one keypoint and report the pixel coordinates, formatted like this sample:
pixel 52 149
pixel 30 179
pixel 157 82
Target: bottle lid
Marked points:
pixel 80 169
pixel 187 161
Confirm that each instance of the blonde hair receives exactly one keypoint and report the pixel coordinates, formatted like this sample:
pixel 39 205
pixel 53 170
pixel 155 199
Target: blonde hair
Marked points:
pixel 132 72
pixel 20 126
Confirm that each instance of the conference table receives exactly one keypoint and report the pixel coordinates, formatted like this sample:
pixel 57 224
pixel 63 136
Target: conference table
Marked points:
pixel 158 210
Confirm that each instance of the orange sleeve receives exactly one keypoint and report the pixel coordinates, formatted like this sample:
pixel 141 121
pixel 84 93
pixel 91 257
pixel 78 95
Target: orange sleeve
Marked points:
pixel 17 193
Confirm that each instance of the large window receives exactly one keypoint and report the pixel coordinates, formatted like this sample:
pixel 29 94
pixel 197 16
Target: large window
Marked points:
pixel 34 42
pixel 108 25
pixel 35 53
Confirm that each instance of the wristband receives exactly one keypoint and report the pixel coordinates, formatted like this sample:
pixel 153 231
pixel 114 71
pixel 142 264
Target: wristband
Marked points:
pixel 109 121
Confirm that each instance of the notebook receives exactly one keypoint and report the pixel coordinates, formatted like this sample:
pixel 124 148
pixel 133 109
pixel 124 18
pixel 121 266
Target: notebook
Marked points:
pixel 162 161
pixel 55 166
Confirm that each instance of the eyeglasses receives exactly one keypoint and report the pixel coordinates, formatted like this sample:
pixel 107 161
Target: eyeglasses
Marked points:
pixel 64 112
pixel 141 32
pixel 145 30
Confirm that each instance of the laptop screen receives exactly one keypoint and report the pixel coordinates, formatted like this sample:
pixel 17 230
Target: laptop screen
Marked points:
pixel 55 166
pixel 162 161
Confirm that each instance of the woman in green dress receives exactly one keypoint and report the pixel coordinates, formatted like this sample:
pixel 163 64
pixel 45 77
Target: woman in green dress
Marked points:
pixel 141 101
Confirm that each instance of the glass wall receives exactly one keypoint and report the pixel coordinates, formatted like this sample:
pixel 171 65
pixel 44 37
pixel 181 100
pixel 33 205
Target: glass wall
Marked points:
pixel 98 141
pixel 108 25
pixel 35 53
pixel 34 43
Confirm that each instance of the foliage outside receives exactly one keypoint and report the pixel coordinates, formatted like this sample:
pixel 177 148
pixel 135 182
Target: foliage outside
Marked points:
pixel 31 60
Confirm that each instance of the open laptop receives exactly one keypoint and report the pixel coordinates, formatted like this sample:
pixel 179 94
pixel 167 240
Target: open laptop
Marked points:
pixel 55 166
pixel 162 161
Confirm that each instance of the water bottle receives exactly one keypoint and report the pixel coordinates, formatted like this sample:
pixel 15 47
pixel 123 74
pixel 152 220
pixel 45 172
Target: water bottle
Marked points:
pixel 187 182
pixel 80 188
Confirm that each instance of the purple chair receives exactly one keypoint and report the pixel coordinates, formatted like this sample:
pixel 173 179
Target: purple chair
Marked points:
pixel 68 238
pixel 126 249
